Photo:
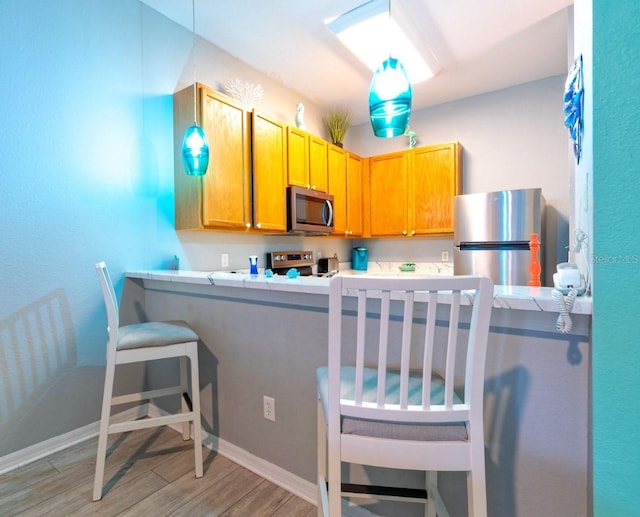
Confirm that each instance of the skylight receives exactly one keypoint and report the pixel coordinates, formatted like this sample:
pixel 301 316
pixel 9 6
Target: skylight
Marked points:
pixel 373 35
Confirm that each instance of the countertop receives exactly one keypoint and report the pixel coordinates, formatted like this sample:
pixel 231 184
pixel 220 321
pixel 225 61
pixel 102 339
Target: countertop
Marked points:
pixel 505 297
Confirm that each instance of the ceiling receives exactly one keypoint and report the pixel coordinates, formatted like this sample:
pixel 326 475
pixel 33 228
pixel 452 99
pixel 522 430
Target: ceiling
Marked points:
pixel 481 46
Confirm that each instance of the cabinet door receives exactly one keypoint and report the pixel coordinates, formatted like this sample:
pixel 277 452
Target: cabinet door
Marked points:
pixel 297 157
pixel 318 163
pixel 388 191
pixel 269 174
pixel 226 186
pixel 354 195
pixel 435 182
pixel 337 168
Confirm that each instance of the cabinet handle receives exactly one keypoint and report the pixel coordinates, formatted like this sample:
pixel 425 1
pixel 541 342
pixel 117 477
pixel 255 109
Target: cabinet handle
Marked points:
pixel 248 225
pixel 413 232
pixel 313 187
pixel 404 232
pixel 308 186
pixel 259 225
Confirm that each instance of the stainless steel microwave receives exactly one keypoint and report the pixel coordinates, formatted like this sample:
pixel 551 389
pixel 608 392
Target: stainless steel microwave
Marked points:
pixel 309 211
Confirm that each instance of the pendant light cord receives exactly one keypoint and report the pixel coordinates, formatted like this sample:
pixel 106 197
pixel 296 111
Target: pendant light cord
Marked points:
pixel 389 28
pixel 193 44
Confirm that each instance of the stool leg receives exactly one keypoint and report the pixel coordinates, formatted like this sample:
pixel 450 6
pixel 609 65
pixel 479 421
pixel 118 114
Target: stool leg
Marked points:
pixel 476 483
pixel 195 400
pixel 431 481
pixel 185 389
pixel 477 493
pixel 103 434
pixel 322 461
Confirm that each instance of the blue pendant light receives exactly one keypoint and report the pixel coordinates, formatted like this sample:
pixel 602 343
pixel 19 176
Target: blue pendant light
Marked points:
pixel 195 151
pixel 390 97
pixel 195 148
pixel 390 100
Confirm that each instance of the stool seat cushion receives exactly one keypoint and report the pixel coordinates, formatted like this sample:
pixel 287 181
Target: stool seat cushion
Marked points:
pixel 154 333
pixel 447 431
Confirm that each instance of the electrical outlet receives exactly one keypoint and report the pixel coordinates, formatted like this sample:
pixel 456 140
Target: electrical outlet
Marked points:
pixel 224 260
pixel 445 256
pixel 269 408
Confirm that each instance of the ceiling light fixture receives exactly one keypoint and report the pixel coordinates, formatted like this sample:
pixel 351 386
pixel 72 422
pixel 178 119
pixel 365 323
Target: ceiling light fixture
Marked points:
pixel 390 93
pixel 360 31
pixel 195 148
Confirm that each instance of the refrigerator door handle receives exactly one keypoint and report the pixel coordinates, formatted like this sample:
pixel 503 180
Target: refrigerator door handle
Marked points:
pixel 513 245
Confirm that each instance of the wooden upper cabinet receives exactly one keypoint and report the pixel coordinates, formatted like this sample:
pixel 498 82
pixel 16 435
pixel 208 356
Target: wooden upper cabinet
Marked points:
pixel 436 181
pixel 297 157
pixel 318 164
pixel 306 160
pixel 221 198
pixel 389 187
pixel 345 184
pixel 269 174
pixel 227 185
pixel 337 171
pixel 355 223
pixel 252 159
pixel 412 191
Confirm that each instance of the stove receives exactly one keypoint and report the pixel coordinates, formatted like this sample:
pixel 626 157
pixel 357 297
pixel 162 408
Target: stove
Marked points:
pixel 282 261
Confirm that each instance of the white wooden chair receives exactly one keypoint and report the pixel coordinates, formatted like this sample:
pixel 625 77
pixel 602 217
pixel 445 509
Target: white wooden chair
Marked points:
pixel 387 400
pixel 146 342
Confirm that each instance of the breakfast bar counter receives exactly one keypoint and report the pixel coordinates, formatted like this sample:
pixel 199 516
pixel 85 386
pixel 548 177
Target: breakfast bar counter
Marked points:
pixel 505 297
pixel 266 337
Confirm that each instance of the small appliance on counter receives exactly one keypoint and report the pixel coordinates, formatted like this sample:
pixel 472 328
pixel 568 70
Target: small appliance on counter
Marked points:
pixel 327 265
pixel 280 262
pixel 360 258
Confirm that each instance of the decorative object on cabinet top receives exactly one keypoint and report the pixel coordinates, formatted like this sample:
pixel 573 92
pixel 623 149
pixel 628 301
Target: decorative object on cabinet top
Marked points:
pixel 412 136
pixel 337 122
pixel 247 93
pixel 300 116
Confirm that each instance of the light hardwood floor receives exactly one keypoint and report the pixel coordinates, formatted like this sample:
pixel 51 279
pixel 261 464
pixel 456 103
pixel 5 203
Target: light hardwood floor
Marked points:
pixel 148 472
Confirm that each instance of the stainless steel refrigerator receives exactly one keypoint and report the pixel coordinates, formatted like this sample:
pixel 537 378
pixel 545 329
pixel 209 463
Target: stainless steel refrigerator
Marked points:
pixel 492 232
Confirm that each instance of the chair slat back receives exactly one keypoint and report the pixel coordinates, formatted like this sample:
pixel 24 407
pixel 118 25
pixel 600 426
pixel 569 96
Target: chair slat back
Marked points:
pixel 389 313
pixel 111 304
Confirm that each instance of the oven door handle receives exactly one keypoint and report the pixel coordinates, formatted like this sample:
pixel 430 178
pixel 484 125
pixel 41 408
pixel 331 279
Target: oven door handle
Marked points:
pixel 329 206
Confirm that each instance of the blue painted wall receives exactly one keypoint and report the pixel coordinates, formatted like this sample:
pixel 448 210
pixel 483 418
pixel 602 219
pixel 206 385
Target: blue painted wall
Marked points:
pixel 86 174
pixel 616 219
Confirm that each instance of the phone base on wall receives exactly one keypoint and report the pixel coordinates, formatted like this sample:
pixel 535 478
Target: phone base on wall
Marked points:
pixel 568 278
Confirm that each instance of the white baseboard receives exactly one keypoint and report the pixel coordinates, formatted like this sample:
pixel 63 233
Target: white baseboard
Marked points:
pixel 277 475
pixel 43 449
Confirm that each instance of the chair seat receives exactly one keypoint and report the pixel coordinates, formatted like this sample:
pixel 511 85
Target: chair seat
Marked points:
pixel 155 333
pixel 379 429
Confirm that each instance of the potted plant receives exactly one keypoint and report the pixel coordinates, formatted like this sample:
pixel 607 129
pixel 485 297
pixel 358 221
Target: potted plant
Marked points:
pixel 337 122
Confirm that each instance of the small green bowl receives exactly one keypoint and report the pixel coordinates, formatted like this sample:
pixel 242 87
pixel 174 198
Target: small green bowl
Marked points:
pixel 407 267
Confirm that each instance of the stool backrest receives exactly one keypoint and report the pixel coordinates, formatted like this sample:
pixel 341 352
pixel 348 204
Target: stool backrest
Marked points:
pixel 111 304
pixel 411 325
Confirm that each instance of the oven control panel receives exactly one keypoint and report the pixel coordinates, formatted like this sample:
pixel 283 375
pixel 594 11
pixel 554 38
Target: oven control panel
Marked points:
pixel 289 259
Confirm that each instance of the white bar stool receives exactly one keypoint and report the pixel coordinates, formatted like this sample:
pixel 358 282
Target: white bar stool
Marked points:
pixel 390 395
pixel 145 342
